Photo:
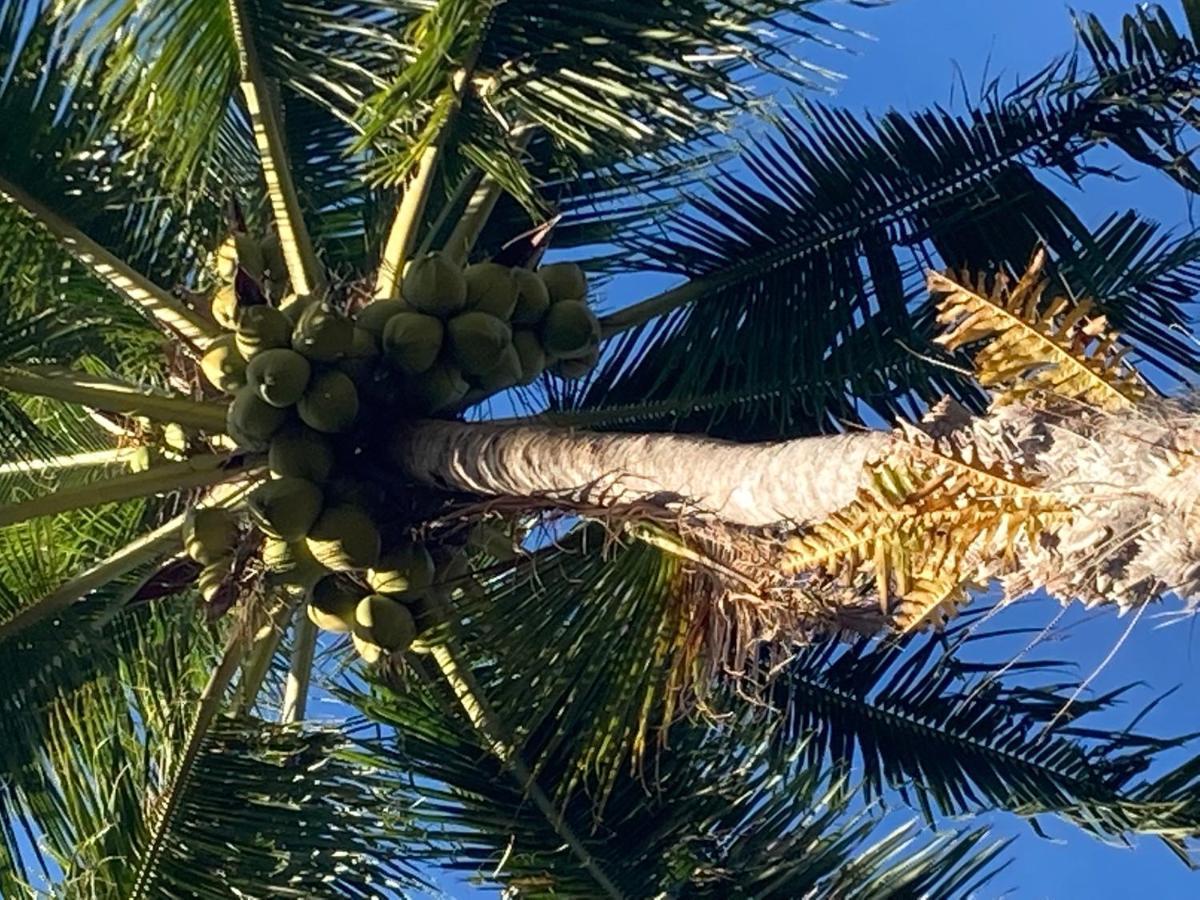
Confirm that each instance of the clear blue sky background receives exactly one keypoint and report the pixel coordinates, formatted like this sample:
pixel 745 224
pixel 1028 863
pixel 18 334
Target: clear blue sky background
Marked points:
pixel 925 52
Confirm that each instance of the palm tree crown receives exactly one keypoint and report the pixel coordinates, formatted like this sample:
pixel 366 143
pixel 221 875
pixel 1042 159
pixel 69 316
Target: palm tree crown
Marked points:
pixel 263 269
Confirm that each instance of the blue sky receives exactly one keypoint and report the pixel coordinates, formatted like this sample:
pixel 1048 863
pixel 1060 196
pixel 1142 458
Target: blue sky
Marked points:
pixel 923 52
pixel 929 51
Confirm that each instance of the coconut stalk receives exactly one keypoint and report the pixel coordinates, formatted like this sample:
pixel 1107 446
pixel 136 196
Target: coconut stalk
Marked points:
pixel 403 231
pixel 660 304
pixel 488 725
pixel 199 471
pixel 151 547
pixel 115 397
pixel 402 234
pixel 454 205
pixel 262 103
pixel 295 694
pixel 116 456
pixel 264 643
pixel 480 207
pixel 169 313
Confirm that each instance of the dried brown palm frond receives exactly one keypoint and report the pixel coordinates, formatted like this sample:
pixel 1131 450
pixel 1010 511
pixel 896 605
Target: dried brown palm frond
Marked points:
pixel 1032 343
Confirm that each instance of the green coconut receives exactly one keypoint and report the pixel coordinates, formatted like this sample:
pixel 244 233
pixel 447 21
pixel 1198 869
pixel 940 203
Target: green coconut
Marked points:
pixel 223 365
pixel 477 340
pixel 330 405
pixel 274 262
pixel 322 334
pixel 260 328
pixel 279 376
pixel 375 315
pixel 434 284
pixel 371 653
pixel 224 306
pixel 239 249
pixel 300 452
pixel 569 330
pixel 385 623
pixel 491 288
pixel 573 369
pixel 564 281
pixel 440 388
pixel 359 361
pixel 291 564
pixel 347 490
pixel 210 533
pixel 529 351
pixel 251 421
pixel 332 602
pixel 213 577
pixel 506 373
pixel 285 508
pixel 533 299
pixel 412 341
pixel 344 538
pixel 408 567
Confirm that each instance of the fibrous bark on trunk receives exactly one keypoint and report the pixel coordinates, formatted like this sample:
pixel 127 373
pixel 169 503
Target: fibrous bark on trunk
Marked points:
pixel 746 484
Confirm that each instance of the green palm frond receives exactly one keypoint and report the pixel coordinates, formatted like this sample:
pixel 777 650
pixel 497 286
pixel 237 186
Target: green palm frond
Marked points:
pixel 610 81
pixel 67 728
pixel 572 730
pixel 549 613
pixel 804 275
pixel 274 811
pixel 759 826
pixel 589 648
pixel 953 736
pixel 59 149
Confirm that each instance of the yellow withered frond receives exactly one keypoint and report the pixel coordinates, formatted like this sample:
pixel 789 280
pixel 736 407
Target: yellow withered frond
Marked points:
pixel 954 466
pixel 931 602
pixel 1031 344
pixel 930 517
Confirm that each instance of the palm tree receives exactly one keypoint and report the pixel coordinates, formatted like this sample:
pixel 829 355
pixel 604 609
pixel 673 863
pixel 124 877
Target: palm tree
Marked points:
pixel 264 265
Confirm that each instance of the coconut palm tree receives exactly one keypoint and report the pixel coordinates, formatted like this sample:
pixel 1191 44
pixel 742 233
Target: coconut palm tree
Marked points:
pixel 265 268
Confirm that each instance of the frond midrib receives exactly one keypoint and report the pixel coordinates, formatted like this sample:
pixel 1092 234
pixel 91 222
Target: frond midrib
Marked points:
pixel 785 251
pixel 1084 790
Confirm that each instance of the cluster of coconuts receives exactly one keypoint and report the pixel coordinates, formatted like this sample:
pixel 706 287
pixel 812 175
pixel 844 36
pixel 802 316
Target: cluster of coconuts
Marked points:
pixel 488 327
pixel 297 374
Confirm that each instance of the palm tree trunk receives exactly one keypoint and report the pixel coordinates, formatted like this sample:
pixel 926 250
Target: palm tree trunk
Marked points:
pixel 749 484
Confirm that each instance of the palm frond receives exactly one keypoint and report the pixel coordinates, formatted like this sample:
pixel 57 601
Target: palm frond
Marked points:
pixel 1032 344
pixel 613 81
pixel 548 612
pixel 759 826
pixel 274 811
pixel 953 735
pixel 804 270
pixel 68 728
